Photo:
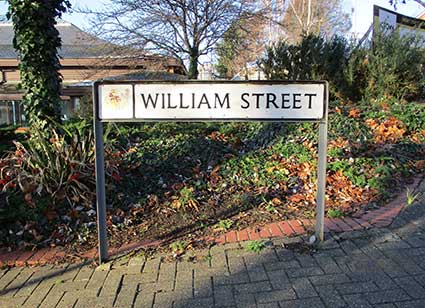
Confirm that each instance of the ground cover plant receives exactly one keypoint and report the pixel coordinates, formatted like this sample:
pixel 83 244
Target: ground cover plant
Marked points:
pixel 180 182
pixel 188 180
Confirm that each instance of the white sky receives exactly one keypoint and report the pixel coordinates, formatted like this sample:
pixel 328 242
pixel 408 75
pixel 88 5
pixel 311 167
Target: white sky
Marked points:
pixel 361 19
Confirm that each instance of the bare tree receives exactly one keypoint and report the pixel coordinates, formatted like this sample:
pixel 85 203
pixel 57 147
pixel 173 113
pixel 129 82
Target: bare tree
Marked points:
pixel 185 29
pixel 244 41
pixel 299 17
pixel 242 45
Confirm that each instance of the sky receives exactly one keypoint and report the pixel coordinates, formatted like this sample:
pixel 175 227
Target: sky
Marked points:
pixel 361 19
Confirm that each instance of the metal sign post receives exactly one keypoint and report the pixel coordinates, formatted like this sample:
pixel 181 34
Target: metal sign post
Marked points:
pixel 197 101
pixel 321 178
pixel 100 184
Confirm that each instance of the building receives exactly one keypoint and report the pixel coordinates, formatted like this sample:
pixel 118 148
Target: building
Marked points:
pixel 404 24
pixel 84 58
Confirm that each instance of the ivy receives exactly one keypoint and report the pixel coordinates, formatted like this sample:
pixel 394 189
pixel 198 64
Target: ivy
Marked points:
pixel 37 41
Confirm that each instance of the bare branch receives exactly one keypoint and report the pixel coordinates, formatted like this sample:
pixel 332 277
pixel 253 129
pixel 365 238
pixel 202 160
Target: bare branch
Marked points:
pixel 181 28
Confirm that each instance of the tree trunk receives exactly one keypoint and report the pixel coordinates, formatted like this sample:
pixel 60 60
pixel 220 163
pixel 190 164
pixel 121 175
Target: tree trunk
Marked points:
pixel 246 72
pixel 193 64
pixel 308 17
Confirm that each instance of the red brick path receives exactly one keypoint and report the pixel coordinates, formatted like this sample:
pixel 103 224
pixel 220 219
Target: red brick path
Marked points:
pixel 381 217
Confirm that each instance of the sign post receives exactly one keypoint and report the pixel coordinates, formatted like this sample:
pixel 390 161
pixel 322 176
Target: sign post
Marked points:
pixel 198 101
pixel 100 184
pixel 321 179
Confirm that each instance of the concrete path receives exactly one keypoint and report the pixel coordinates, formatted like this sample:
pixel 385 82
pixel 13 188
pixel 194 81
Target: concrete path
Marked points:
pixel 369 268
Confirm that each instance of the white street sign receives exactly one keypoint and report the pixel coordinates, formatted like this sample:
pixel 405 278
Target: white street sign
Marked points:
pixel 200 101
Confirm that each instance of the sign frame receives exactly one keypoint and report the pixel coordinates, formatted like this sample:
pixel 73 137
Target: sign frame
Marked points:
pixel 99 146
pixel 209 119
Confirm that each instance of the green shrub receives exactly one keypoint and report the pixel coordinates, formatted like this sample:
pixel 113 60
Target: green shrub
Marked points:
pixel 395 66
pixel 355 75
pixel 392 66
pixel 61 168
pixel 313 58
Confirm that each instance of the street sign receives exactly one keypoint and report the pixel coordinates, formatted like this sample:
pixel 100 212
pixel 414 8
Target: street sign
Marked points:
pixel 198 101
pixel 212 101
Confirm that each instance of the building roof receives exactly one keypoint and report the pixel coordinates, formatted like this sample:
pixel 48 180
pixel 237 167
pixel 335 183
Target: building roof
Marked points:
pixel 75 42
pixel 86 57
pixel 13 92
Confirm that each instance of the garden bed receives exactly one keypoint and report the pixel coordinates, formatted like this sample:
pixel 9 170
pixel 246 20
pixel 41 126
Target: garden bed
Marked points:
pixel 179 182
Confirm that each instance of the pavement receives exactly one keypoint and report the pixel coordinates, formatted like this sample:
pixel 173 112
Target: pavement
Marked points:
pixel 376 267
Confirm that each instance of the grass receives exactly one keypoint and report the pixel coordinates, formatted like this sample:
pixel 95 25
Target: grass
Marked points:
pixel 335 213
pixel 178 247
pixel 225 224
pixel 271 209
pixel 411 197
pixel 255 246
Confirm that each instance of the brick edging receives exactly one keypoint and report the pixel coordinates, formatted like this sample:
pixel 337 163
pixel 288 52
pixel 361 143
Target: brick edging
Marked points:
pixel 381 217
